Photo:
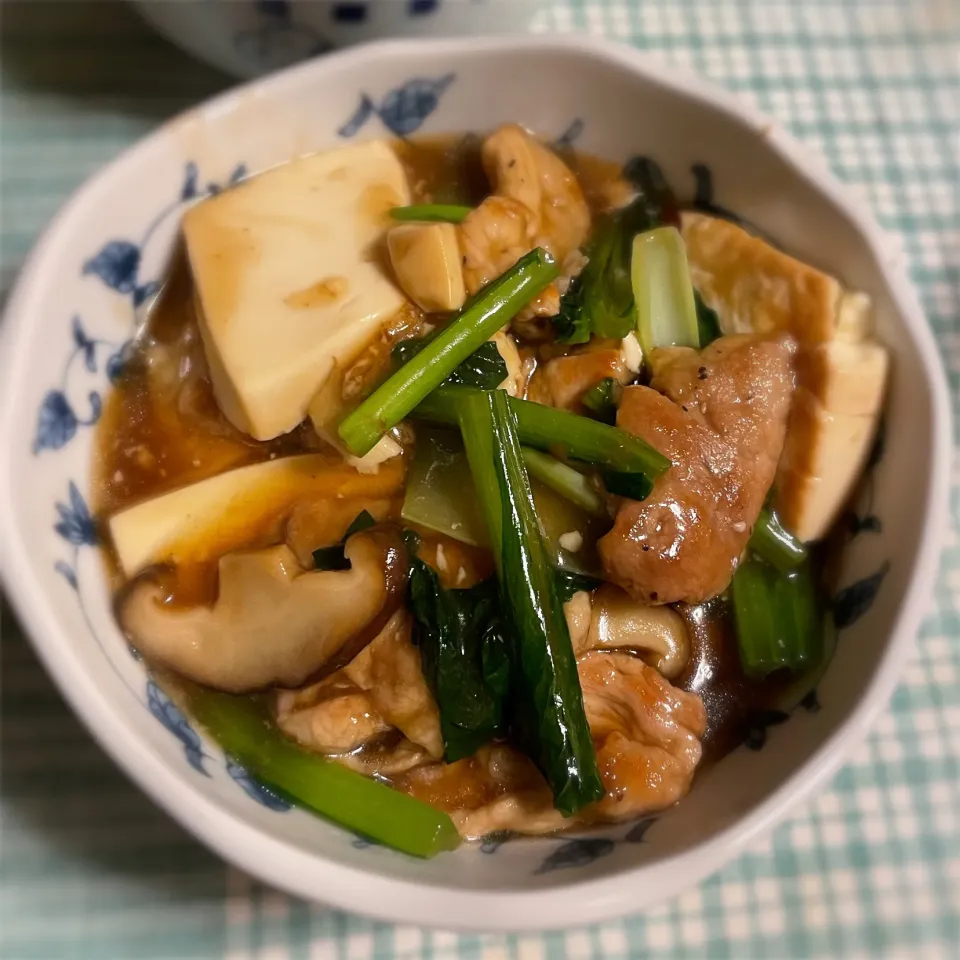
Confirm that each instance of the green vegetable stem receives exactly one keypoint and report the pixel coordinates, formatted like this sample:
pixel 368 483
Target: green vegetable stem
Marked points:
pixel 552 430
pixel 444 212
pixel 242 728
pixel 549 717
pixel 777 617
pixel 563 479
pixel 776 544
pixel 483 316
pixel 666 310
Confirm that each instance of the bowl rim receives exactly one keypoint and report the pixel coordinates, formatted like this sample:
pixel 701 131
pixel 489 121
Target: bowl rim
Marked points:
pixel 311 876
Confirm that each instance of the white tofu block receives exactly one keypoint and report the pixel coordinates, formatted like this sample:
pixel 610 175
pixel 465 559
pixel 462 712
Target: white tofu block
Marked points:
pixel 212 517
pixel 290 279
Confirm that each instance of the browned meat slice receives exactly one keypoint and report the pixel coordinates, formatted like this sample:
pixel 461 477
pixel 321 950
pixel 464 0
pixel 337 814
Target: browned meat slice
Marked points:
pixel 522 168
pixel 536 201
pixel 721 418
pixel 332 716
pixel 647 735
pixel 562 381
pixel 646 732
pixel 381 690
pixel 389 671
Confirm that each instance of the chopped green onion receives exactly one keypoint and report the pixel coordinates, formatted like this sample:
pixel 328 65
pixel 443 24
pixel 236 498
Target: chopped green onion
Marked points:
pixel 633 486
pixel 799 689
pixel 777 618
pixel 776 544
pixel 563 479
pixel 495 306
pixel 550 721
pixel 550 429
pixel 602 399
pixel 245 732
pixel 663 292
pixel 443 212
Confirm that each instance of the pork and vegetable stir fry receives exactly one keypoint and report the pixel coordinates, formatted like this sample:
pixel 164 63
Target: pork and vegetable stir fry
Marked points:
pixel 466 486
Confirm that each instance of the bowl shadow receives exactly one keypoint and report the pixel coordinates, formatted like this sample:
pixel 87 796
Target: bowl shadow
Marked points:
pixel 100 55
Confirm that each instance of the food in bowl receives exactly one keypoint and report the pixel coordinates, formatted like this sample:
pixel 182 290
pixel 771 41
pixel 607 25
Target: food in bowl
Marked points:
pixel 469 485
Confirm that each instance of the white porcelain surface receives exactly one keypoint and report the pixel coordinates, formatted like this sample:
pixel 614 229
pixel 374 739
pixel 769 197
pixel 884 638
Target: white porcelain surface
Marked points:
pixel 93 274
pixel 250 37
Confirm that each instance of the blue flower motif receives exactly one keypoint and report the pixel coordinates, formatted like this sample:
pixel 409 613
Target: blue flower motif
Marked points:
pixel 171 716
pixel 363 843
pixel 404 109
pixel 84 344
pixel 492 842
pixel 67 572
pixel 76 526
pixel 576 853
pixel 851 603
pixel 419 8
pixel 190 175
pixel 143 292
pixel 117 361
pixel 868 523
pixel 116 265
pixel 56 423
pixel 638 832
pixel 256 790
pixel 239 173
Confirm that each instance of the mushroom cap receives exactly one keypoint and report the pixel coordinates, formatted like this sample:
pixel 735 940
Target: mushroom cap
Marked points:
pixel 273 623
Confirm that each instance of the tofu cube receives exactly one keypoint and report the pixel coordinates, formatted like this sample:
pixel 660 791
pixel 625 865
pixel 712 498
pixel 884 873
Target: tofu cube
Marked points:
pixel 290 281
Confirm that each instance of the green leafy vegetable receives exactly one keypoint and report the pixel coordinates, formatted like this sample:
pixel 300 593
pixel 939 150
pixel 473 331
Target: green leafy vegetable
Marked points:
pixel 563 479
pixel 485 368
pixel 246 733
pixel 606 286
pixel 570 583
pixel 779 624
pixel 572 324
pixel 447 212
pixel 666 312
pixel 465 658
pixel 603 398
pixel 776 544
pixel 332 558
pixel 496 305
pixel 708 323
pixel 557 431
pixel 549 719
pixel 800 688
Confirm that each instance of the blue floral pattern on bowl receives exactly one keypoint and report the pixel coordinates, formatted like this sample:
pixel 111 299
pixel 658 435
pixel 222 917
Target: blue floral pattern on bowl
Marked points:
pixel 403 110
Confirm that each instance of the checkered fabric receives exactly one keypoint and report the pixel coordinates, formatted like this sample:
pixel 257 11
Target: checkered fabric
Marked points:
pixel 869 868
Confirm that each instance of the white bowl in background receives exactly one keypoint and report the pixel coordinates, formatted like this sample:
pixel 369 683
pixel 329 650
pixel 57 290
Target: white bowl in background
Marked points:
pixel 251 37
pixel 92 275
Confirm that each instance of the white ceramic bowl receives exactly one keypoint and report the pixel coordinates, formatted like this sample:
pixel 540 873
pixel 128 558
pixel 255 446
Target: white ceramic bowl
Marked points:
pixel 93 273
pixel 250 37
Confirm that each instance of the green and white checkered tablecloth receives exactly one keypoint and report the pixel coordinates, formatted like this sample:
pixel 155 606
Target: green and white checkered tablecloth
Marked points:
pixel 869 868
